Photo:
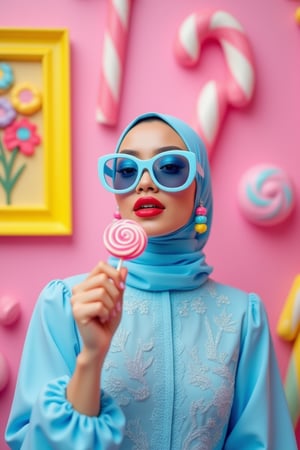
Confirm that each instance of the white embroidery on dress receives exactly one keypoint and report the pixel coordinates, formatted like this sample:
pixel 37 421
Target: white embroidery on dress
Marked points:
pixel 202 434
pixel 137 370
pixel 210 411
pixel 135 433
pixel 203 375
pixel 136 306
pixel 197 305
pixel 120 340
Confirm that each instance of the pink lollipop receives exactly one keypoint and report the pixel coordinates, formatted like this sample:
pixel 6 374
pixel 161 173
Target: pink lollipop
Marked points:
pixel 125 239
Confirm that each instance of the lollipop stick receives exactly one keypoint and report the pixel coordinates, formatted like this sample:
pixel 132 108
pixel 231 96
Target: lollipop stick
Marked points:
pixel 120 264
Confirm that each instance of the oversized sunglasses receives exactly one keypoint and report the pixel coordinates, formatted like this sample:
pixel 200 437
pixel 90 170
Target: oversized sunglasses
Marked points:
pixel 171 171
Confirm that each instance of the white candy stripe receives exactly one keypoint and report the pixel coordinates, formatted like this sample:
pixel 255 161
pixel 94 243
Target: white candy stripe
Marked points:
pixel 123 10
pixel 188 36
pixel 240 68
pixel 208 112
pixel 113 60
pixel 112 67
pixel 221 19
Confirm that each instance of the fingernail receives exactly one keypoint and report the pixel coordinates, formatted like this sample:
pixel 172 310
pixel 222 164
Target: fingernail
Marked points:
pixel 122 285
pixel 118 306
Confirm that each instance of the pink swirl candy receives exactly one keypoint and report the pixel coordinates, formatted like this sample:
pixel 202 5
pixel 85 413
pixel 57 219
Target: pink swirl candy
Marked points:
pixel 125 239
pixel 265 195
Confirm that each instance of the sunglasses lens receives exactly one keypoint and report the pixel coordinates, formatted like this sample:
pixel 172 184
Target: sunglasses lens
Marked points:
pixel 120 173
pixel 171 171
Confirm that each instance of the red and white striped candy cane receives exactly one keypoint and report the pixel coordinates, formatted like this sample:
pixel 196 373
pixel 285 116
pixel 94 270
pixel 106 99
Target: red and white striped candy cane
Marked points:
pixel 113 61
pixel 215 96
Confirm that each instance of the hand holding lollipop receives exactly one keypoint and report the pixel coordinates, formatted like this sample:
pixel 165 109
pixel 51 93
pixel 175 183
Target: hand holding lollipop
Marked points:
pixel 125 239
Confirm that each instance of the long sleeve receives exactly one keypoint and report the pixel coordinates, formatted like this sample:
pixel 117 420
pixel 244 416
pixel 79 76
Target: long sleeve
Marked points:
pixel 259 417
pixel 41 417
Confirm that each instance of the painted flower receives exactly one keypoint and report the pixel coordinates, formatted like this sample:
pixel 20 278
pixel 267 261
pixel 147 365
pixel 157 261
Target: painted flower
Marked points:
pixel 22 135
pixel 7 113
pixel 6 76
pixel 26 98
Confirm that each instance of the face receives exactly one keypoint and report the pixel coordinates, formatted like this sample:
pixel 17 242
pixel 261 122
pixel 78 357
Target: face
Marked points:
pixel 159 212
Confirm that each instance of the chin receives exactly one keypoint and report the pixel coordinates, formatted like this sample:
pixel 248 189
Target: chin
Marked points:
pixel 154 231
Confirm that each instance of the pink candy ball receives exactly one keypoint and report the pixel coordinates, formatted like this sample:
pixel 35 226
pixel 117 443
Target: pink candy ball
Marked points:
pixel 266 195
pixel 4 372
pixel 10 310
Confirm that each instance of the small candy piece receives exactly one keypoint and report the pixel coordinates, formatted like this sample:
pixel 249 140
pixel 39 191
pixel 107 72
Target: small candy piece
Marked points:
pixel 288 328
pixel 297 15
pixel 26 98
pixel 125 239
pixel 4 372
pixel 6 77
pixel 10 310
pixel 7 113
pixel 265 195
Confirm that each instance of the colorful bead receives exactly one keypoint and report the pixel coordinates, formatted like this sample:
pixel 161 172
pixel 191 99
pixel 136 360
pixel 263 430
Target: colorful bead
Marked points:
pixel 200 220
pixel 200 228
pixel 117 215
pixel 201 211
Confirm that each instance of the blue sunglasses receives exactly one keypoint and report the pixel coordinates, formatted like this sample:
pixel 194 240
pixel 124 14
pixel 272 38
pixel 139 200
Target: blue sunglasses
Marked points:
pixel 171 171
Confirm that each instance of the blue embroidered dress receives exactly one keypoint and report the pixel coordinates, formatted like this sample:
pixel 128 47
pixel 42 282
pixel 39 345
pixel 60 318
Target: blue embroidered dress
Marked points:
pixel 191 365
pixel 186 370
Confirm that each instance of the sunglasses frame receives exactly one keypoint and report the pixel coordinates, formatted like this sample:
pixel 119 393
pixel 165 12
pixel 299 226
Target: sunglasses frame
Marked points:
pixel 147 164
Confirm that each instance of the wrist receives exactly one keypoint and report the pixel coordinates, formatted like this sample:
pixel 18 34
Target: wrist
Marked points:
pixel 90 359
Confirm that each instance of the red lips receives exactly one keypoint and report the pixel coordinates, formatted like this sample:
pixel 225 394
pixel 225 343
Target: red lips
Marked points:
pixel 148 207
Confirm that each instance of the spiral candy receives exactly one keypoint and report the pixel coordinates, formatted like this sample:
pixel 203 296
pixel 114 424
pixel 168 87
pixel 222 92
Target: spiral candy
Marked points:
pixel 125 239
pixel 265 195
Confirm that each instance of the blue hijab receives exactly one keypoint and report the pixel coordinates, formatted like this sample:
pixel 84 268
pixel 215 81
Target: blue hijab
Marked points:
pixel 175 261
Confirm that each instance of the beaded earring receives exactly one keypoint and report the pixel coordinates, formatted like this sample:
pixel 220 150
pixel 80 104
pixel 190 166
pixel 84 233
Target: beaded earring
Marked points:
pixel 117 214
pixel 201 220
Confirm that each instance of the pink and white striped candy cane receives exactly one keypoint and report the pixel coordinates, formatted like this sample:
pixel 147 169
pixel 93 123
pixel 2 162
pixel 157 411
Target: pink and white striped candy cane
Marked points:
pixel 237 90
pixel 113 61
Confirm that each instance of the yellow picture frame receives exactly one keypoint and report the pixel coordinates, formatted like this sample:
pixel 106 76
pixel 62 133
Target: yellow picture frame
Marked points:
pixel 50 49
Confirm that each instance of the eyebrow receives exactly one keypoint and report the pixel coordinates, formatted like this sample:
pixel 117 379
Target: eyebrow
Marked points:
pixel 157 151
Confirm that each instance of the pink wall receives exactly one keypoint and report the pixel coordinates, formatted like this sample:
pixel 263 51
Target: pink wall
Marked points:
pixel 255 259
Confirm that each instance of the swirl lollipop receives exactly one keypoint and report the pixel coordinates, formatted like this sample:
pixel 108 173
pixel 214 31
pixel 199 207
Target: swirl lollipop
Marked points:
pixel 125 239
pixel 266 195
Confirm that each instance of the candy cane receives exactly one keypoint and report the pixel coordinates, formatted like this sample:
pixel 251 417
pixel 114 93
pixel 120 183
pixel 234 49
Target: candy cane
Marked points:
pixel 289 329
pixel 113 61
pixel 215 97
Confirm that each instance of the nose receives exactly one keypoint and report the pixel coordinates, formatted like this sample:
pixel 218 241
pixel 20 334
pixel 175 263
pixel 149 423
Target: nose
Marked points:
pixel 146 183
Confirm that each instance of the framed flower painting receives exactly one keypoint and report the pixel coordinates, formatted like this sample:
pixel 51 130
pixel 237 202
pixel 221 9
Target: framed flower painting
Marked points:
pixel 35 166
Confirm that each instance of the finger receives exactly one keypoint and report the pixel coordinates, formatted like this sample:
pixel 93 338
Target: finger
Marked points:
pixel 83 313
pixel 111 272
pixel 99 275
pixel 107 295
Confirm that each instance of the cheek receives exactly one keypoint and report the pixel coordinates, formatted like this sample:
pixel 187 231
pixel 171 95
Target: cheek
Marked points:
pixel 124 204
pixel 185 202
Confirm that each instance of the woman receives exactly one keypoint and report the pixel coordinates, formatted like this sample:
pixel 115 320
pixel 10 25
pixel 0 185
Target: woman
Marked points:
pixel 174 360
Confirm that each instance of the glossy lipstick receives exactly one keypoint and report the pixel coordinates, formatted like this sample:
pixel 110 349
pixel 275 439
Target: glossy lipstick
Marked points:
pixel 148 207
